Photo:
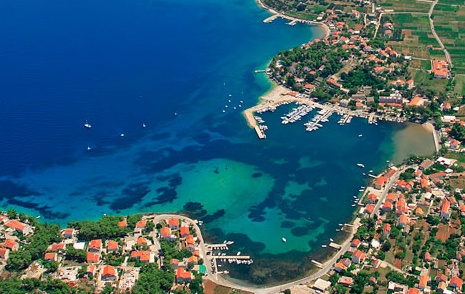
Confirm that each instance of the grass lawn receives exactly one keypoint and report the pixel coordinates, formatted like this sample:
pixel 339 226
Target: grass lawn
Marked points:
pixel 404 5
pixel 425 80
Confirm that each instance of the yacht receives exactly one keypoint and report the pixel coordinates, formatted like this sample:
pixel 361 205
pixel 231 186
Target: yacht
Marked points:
pixel 121 135
pixel 143 125
pixel 324 246
pixel 89 148
pixel 284 240
pixel 238 253
pixel 360 135
pixel 87 125
pixel 360 165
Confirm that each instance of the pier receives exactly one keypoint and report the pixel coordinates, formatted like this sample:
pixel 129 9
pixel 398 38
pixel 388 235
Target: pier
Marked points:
pixel 271 18
pixel 335 245
pixel 318 264
pixel 238 257
pixel 222 246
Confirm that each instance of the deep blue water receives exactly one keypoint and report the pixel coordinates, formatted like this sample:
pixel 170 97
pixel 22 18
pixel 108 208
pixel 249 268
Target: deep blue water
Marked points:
pixel 173 66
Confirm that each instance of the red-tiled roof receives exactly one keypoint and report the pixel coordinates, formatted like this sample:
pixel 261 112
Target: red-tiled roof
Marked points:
pixel 112 245
pixel 141 224
pixel 92 257
pixel 50 256
pixel 9 243
pixel 17 225
pixel 95 244
pixel 173 222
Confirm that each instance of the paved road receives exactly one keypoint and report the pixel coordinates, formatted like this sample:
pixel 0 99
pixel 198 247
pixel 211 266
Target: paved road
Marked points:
pixel 431 23
pixel 388 186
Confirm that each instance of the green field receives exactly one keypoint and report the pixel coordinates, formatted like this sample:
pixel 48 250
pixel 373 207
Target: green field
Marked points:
pixel 449 23
pixel 426 81
pixel 404 5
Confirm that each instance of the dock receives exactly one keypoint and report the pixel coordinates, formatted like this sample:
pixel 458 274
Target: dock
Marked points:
pixel 335 245
pixel 271 18
pixel 259 70
pixel 243 257
pixel 260 133
pixel 318 264
pixel 221 246
pixel 293 22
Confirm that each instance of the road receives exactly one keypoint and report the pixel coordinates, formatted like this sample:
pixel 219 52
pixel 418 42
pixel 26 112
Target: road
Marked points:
pixel 431 23
pixel 388 187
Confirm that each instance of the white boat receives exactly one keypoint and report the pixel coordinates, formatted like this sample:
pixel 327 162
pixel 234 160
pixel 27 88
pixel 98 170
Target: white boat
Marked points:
pixel 360 165
pixel 331 239
pixel 353 205
pixel 360 135
pixel 38 216
pixel 87 125
pixel 121 135
pixel 89 148
pixel 284 240
pixel 324 246
pixel 143 125
pixel 238 253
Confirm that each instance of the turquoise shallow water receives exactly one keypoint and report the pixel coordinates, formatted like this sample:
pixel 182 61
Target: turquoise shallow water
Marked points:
pixel 173 67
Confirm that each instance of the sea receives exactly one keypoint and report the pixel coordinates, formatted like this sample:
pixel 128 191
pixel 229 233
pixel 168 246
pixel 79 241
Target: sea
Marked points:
pixel 163 84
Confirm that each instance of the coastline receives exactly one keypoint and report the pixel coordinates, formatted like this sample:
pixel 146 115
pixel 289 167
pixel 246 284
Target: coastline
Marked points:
pixel 291 18
pixel 430 128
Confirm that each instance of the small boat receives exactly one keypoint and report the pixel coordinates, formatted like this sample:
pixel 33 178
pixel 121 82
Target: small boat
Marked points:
pixel 360 135
pixel 38 216
pixel 360 165
pixel 87 125
pixel 353 205
pixel 238 253
pixel 284 240
pixel 121 135
pixel 331 239
pixel 143 125
pixel 324 246
pixel 89 148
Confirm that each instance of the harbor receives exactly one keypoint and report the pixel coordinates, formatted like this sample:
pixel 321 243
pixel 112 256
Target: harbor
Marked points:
pixel 281 95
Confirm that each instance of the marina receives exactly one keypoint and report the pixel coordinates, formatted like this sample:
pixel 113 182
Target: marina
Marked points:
pixel 314 124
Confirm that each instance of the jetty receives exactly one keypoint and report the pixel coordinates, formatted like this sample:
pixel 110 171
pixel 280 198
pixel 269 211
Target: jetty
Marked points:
pixel 318 264
pixel 271 18
pixel 235 257
pixel 335 245
pixel 222 246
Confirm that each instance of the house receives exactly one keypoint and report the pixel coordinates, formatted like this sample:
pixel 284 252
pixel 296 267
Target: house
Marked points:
pixel 386 229
pixel 50 256
pixel 358 256
pixel 440 69
pixel 11 244
pixel 423 282
pixel 456 282
pixel 372 198
pixel 108 273
pixel 355 243
pixel 403 220
pixel 173 223
pixel 4 252
pixel 19 227
pixel 112 246
pixel 427 163
pixel 69 233
pixel 355 14
pixel 345 281
pixel 401 206
pixel 123 223
pixel 182 276
pixel 333 83
pixel 92 257
pixel 95 245
pixel 143 256
pixel 428 257
pixel 192 260
pixel 441 278
pixel 369 208
pixel 56 247
pixel 174 263
pixel 387 206
pixel 142 241
pixel 391 197
pixel 165 233
pixel 395 98
pixel 184 232
pixel 321 285
pixel 380 182
pixel 445 205
pixel 90 272
pixel 405 186
pixel 413 291
pixel 141 224
pixel 339 267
